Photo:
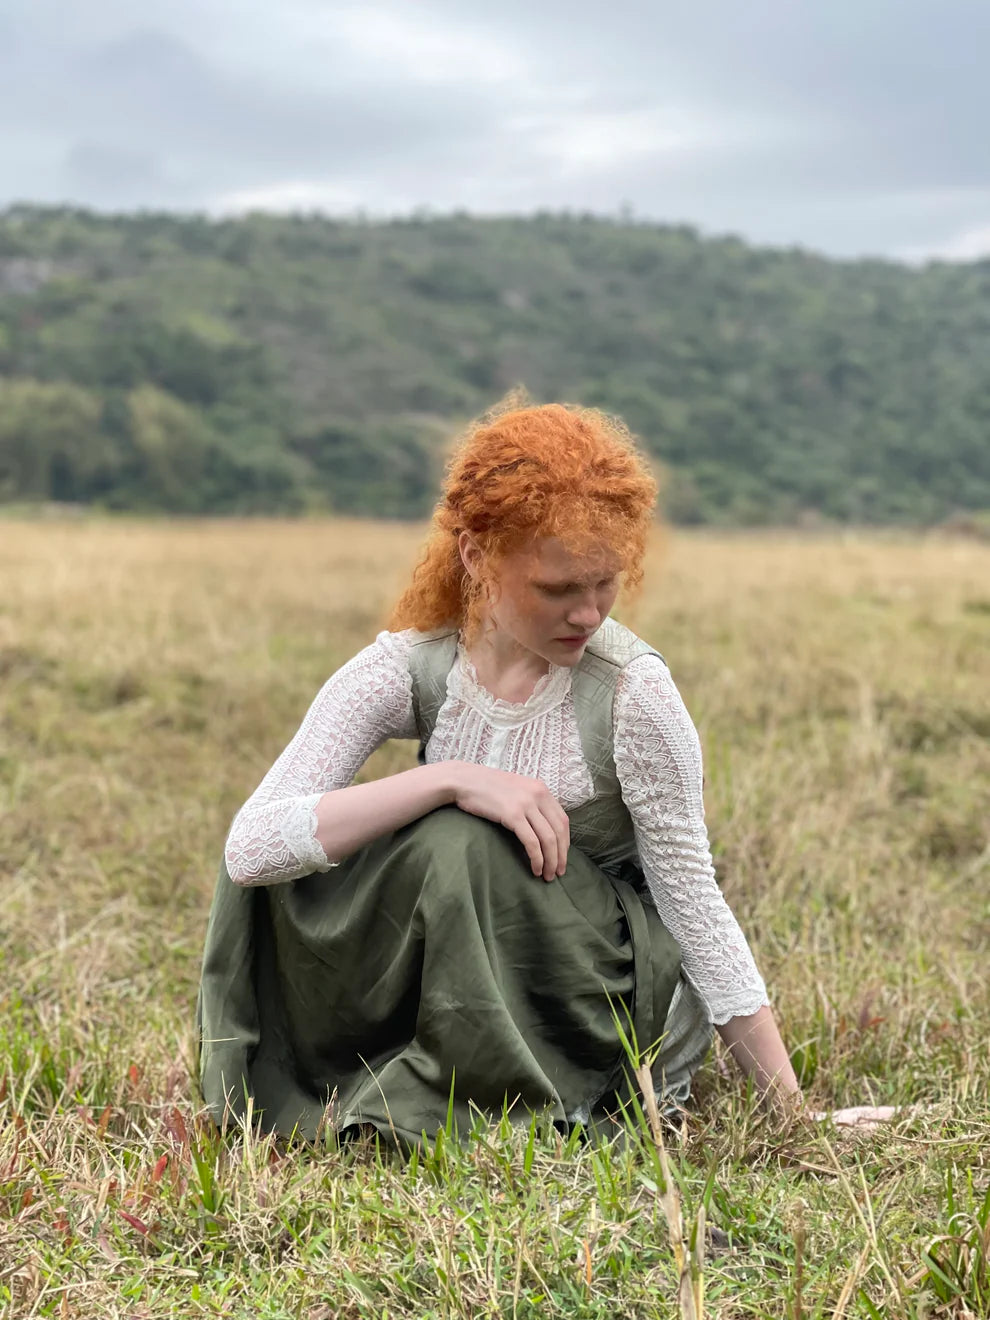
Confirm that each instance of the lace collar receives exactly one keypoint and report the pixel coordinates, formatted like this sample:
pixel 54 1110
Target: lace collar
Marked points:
pixel 550 691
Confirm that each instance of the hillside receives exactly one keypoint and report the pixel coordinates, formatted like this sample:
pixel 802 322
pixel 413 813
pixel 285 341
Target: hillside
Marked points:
pixel 280 364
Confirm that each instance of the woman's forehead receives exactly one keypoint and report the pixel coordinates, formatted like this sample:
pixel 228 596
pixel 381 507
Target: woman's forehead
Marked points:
pixel 549 557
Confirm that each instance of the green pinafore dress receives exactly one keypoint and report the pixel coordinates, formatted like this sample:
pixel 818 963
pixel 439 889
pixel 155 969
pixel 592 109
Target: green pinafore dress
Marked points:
pixel 432 974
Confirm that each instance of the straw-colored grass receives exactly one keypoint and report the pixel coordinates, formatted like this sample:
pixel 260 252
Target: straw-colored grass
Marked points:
pixel 149 674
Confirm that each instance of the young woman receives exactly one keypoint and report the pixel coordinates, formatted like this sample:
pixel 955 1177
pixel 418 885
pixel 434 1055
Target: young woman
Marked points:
pixel 464 933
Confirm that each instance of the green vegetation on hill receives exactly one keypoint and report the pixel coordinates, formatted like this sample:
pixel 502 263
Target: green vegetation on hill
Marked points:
pixel 280 364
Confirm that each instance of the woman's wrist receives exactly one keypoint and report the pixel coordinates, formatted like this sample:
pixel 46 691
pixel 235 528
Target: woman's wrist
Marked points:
pixel 441 778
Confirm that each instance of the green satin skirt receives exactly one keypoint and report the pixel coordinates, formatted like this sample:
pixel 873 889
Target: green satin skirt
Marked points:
pixel 431 975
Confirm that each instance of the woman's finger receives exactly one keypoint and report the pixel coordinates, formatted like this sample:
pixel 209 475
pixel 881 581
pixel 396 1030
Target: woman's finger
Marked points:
pixel 560 823
pixel 529 839
pixel 547 836
pixel 563 827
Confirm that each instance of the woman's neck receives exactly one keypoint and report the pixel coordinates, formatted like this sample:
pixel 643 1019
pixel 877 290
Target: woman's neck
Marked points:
pixel 505 669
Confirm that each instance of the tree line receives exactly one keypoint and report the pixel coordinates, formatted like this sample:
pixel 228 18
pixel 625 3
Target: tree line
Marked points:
pixel 155 362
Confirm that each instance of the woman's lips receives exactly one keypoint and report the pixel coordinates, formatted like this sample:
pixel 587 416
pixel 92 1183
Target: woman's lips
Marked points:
pixel 572 641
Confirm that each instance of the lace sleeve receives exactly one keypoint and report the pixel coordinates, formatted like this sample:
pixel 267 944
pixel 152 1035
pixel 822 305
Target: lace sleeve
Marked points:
pixel 658 760
pixel 273 837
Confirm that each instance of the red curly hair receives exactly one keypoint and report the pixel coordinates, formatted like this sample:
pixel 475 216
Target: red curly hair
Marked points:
pixel 554 470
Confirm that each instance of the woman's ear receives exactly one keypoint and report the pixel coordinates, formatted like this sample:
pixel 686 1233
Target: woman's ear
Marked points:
pixel 471 555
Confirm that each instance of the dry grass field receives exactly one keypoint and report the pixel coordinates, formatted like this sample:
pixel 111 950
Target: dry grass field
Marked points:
pixel 149 674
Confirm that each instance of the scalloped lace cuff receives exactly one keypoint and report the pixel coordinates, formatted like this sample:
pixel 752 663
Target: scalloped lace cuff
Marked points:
pixel 299 835
pixel 744 1003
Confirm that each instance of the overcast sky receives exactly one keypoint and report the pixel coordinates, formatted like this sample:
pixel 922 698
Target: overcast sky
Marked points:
pixel 849 126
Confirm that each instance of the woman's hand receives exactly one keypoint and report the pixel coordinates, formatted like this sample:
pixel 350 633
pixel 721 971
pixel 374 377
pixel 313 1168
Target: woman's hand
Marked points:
pixel 864 1118
pixel 525 806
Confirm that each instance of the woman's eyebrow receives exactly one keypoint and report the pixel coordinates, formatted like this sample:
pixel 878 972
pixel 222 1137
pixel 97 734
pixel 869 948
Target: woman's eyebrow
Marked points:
pixel 589 581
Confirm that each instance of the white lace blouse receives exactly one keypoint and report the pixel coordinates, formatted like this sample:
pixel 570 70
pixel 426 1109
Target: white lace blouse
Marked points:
pixel 657 758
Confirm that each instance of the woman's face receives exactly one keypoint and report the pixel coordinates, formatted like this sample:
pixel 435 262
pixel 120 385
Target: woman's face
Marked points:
pixel 551 600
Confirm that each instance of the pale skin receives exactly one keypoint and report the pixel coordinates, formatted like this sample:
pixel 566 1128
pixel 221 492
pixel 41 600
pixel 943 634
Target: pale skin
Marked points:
pixel 545 605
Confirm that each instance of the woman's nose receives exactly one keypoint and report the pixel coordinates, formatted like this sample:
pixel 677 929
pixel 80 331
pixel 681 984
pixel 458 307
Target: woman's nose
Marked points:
pixel 584 615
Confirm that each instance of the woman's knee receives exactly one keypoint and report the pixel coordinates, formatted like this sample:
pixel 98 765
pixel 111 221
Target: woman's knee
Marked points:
pixel 458 854
pixel 449 831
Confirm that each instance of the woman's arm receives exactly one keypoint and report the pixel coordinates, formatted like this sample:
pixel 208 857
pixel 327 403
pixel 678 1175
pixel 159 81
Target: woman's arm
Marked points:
pixel 349 818
pixel 658 757
pixel 307 816
pixel 658 761
pixel 755 1044
pixel 276 836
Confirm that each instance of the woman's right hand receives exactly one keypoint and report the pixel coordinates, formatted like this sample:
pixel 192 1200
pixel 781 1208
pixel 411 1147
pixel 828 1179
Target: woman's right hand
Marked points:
pixel 525 806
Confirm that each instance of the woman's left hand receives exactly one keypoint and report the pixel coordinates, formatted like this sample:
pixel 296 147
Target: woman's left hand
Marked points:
pixel 863 1118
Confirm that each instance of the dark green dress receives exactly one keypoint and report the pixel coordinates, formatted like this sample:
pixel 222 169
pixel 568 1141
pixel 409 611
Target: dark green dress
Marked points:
pixel 431 973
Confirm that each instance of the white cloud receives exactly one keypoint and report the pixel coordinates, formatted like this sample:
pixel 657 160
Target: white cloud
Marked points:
pixel 575 141
pixel 970 244
pixel 299 195
pixel 578 138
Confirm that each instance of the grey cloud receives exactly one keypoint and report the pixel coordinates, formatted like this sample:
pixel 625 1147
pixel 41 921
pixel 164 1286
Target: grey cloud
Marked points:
pixel 870 86
pixel 856 126
pixel 150 87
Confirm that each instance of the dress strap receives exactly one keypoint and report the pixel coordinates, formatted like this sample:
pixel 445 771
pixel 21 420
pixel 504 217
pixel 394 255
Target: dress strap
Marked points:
pixel 430 661
pixel 593 688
